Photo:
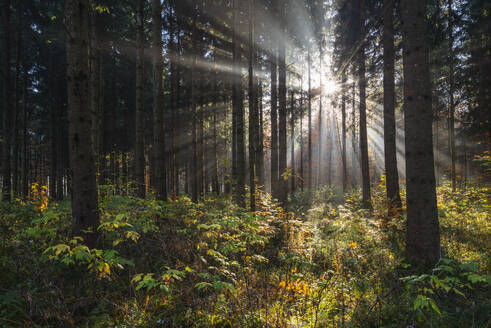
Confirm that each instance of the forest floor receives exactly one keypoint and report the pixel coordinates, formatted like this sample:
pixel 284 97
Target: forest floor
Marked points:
pixel 327 263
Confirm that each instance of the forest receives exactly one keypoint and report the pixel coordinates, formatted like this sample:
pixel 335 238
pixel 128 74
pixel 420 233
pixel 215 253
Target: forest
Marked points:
pixel 245 163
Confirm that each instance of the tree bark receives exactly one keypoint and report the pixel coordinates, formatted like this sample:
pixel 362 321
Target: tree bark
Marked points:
pixel 158 110
pixel 84 193
pixel 139 110
pixel 7 111
pixel 282 113
pixel 365 170
pixel 252 110
pixel 390 147
pixel 343 123
pixel 274 112
pixel 422 235
pixel 237 103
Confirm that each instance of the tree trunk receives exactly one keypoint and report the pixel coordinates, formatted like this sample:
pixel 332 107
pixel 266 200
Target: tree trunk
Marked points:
pixel 7 111
pixel 252 109
pixel 390 147
pixel 139 114
pixel 309 169
pixel 423 235
pixel 292 139
pixel 343 123
pixel 282 184
pixel 260 145
pixel 237 103
pixel 365 170
pixel 451 109
pixel 158 110
pixel 274 112
pixel 84 192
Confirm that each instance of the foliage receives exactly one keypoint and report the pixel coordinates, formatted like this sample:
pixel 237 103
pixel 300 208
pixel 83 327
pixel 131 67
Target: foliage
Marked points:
pixel 212 264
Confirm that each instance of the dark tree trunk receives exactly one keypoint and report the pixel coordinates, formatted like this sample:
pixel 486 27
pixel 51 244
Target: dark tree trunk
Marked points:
pixel 390 147
pixel 309 169
pixel 139 164
pixel 451 109
pixel 158 110
pixel 423 234
pixel 365 170
pixel 237 103
pixel 84 192
pixel 260 145
pixel 343 137
pixel 252 110
pixel 274 113
pixel 282 113
pixel 301 136
pixel 292 139
pixel 7 112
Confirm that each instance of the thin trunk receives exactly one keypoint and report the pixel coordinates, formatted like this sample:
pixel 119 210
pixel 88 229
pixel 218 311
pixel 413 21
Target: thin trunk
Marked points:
pixel 451 109
pixel 158 110
pixel 309 170
pixel 343 123
pixel 6 192
pixel 139 111
pixel 365 170
pixel 292 139
pixel 301 137
pixel 390 147
pixel 274 115
pixel 282 112
pixel 252 109
pixel 237 100
pixel 260 148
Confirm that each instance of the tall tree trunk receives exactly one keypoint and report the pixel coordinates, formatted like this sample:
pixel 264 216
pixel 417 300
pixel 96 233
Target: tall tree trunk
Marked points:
pixel 139 114
pixel 7 111
pixel 292 138
pixel 451 109
pixel 192 176
pixel 301 136
pixel 94 85
pixel 390 147
pixel 274 110
pixel 15 125
pixel 84 192
pixel 260 145
pixel 282 185
pixel 237 103
pixel 309 163
pixel 343 123
pixel 319 120
pixel 354 157
pixel 158 110
pixel 252 109
pixel 423 234
pixel 24 143
pixel 365 170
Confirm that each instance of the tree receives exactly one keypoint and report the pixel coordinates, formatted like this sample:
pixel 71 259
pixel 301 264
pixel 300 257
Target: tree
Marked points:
pixel 139 115
pixel 84 192
pixel 158 110
pixel 423 234
pixel 7 111
pixel 362 83
pixel 252 109
pixel 282 112
pixel 390 148
pixel 274 110
pixel 238 109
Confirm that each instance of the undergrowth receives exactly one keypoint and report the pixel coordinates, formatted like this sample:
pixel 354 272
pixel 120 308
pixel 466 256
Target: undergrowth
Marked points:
pixel 327 263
